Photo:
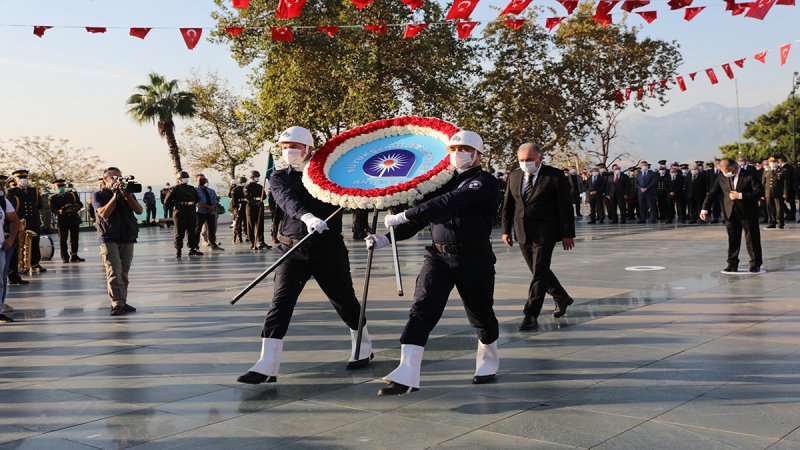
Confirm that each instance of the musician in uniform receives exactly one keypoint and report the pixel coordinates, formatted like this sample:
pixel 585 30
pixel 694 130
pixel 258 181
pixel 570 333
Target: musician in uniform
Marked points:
pixel 27 202
pixel 66 205
pixel 254 196
pixel 239 207
pixel 183 198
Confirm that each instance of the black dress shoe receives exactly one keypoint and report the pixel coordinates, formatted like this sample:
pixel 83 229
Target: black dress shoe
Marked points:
pixel 614 222
pixel 178 254
pixel 640 221
pixel 76 258
pixel 561 309
pixel 256 378
pixel 118 310
pixel 128 308
pixel 529 323
pixel 39 268
pixel 623 222
pixel 263 246
pixel 395 389
pixel 755 269
pixel 194 252
pixel 731 268
pixel 16 279
pixel 65 260
pixel 772 225
pixel 668 221
pixel 360 364
pixel 602 221
pixel 482 379
pixel 591 222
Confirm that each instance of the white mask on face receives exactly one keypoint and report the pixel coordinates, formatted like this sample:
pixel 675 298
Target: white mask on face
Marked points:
pixel 729 174
pixel 662 172
pixel 462 160
pixel 616 171
pixel 742 163
pixel 773 165
pixel 23 182
pixel 644 168
pixel 185 180
pixel 293 156
pixel 684 171
pixel 572 171
pixel 694 172
pixel 529 167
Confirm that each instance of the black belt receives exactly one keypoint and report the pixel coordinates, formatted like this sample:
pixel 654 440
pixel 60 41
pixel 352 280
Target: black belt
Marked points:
pixel 457 248
pixel 287 240
pixel 185 203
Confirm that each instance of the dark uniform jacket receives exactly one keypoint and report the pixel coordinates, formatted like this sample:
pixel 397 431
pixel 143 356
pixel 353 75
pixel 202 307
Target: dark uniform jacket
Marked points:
pixel 775 185
pixel 66 207
pixel 295 201
pixel 183 198
pixel 238 202
pixel 750 187
pixel 27 203
pixel 548 217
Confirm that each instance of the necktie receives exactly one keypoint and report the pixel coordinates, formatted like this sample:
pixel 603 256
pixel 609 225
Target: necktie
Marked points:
pixel 731 181
pixel 616 178
pixel 529 188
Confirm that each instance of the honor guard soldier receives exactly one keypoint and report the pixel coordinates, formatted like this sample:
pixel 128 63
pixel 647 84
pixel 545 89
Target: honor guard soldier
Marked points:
pixel 254 196
pixel 323 256
pixel 183 198
pixel 775 193
pixel 460 215
pixel 66 206
pixel 239 204
pixel 27 202
pixel 661 189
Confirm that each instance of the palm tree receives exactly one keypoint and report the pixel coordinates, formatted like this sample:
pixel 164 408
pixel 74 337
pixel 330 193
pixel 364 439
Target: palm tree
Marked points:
pixel 158 102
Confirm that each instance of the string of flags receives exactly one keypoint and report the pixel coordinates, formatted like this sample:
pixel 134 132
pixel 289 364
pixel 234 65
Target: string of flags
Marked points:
pixel 626 94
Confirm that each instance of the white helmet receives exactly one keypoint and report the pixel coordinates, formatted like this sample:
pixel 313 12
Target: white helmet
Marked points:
pixel 297 134
pixel 469 138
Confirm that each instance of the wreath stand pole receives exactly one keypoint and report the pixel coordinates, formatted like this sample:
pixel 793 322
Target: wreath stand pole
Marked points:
pixel 397 276
pixel 363 313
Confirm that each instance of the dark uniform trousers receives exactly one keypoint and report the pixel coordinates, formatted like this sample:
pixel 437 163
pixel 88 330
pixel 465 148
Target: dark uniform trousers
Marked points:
pixel 185 220
pixel 752 234
pixel 538 257
pixel 68 229
pixel 472 273
pixel 210 221
pixel 776 209
pixel 240 224
pixel 255 222
pixel 328 263
pixel 675 204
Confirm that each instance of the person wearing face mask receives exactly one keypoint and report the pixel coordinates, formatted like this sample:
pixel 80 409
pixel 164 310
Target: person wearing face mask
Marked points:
pixel 646 191
pixel 675 204
pixel 740 191
pixel 239 206
pixel 632 203
pixel 27 203
pixel 576 188
pixel 323 256
pixel 183 199
pixel 618 187
pixel 460 214
pixel 711 173
pixel 66 205
pixel 163 197
pixel 790 178
pixel 661 189
pixel 776 191
pixel 254 196
pixel 207 202
pixel 694 187
pixel 596 193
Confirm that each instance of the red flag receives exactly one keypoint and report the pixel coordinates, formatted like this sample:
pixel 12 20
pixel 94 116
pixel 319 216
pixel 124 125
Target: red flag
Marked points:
pixel 690 13
pixel 461 9
pixel 630 5
pixel 627 93
pixel 761 57
pixel 191 36
pixel 785 52
pixel 282 34
pixel 681 83
pixel 649 16
pixel 759 9
pixel 604 7
pixel 570 5
pixel 330 30
pixel 740 62
pixel 653 89
pixel 241 4
pixel 737 8
pixel 786 2
pixel 515 7
pixel 412 4
pixel 361 4
pixel 618 96
pixel 728 70
pixel 289 9
pixel 234 31
pixel 96 29
pixel 140 33
pixel 377 29
pixel 413 30
pixel 603 20
pixel 712 76
pixel 465 28
pixel 639 93
pixel 40 29
pixel 553 22
pixel 678 4
pixel 664 83
pixel 692 75
pixel 514 23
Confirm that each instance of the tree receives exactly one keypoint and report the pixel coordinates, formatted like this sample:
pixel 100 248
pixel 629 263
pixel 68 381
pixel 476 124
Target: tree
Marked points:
pixel 769 134
pixel 159 102
pixel 600 149
pixel 48 159
pixel 222 137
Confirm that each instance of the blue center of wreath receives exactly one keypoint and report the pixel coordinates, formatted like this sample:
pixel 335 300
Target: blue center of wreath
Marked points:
pixel 391 163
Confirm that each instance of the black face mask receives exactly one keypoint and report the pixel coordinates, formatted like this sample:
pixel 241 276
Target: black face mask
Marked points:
pixel 202 182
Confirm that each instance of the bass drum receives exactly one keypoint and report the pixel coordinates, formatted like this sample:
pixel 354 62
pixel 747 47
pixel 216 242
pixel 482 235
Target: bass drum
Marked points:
pixel 46 248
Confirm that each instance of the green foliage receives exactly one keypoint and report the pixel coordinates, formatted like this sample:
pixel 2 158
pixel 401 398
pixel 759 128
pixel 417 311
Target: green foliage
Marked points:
pixel 769 134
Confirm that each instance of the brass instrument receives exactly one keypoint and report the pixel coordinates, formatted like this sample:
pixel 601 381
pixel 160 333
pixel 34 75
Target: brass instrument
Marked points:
pixel 25 239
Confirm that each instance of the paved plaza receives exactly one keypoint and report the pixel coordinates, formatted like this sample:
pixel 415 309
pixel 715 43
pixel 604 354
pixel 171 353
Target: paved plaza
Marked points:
pixel 679 358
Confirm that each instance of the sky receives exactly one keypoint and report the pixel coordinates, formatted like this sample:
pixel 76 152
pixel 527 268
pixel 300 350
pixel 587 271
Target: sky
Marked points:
pixel 72 84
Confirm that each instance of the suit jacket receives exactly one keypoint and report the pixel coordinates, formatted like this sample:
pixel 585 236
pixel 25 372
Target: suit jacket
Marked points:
pixel 750 187
pixel 620 188
pixel 549 217
pixel 646 180
pixel 790 177
pixel 675 186
pixel 599 184
pixel 695 186
pixel 575 185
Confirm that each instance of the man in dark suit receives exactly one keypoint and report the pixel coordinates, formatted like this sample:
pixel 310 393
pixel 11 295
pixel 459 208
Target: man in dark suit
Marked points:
pixel 577 188
pixel 537 206
pixel 695 188
pixel 596 193
pixel 711 174
pixel 740 190
pixel 674 188
pixel 790 178
pixel 646 188
pixel 617 191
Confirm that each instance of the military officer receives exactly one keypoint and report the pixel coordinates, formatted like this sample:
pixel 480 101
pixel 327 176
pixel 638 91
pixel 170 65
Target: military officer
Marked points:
pixel 775 193
pixel 239 206
pixel 66 205
pixel 182 199
pixel 323 256
pixel 661 189
pixel 460 215
pixel 27 202
pixel 254 196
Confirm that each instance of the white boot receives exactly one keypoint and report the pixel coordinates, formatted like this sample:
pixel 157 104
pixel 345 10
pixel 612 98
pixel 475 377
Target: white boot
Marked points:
pixel 407 372
pixel 366 345
pixel 487 362
pixel 270 361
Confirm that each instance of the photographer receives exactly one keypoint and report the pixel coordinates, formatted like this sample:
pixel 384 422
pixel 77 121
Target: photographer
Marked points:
pixel 115 210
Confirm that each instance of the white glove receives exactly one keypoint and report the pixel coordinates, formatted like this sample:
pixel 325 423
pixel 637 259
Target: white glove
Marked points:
pixel 313 223
pixel 377 241
pixel 393 220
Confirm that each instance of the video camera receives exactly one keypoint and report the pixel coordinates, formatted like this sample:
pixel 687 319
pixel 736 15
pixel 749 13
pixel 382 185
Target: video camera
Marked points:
pixel 127 184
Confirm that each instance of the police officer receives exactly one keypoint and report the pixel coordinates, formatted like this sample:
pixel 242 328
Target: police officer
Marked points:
pixel 183 198
pixel 66 205
pixel 276 214
pixel 254 196
pixel 323 256
pixel 27 202
pixel 775 193
pixel 239 206
pixel 460 215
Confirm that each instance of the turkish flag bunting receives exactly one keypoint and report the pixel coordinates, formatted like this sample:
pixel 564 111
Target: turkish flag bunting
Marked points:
pixel 553 22
pixel 461 10
pixel 604 7
pixel 785 52
pixel 712 76
pixel 140 33
pixel 330 30
pixel 96 29
pixel 681 83
pixel 759 9
pixel 465 28
pixel 603 20
pixel 412 4
pixel 361 4
pixel 627 93
pixel 639 93
pixel 653 89
pixel 289 9
pixel 570 5
pixel 618 96
pixel 664 83
pixel 630 5
pixel 786 2
pixel 515 7
pixel 234 31
pixel 692 75
pixel 737 8
pixel 413 30
pixel 678 4
pixel 40 29
pixel 649 16
pixel 740 62
pixel 728 70
pixel 761 57
pixel 690 13
pixel 241 4
pixel 282 34
pixel 377 29
pixel 191 36
pixel 514 23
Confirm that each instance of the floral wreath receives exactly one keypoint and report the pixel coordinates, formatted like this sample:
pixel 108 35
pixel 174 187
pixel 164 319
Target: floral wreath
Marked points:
pixel 316 180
